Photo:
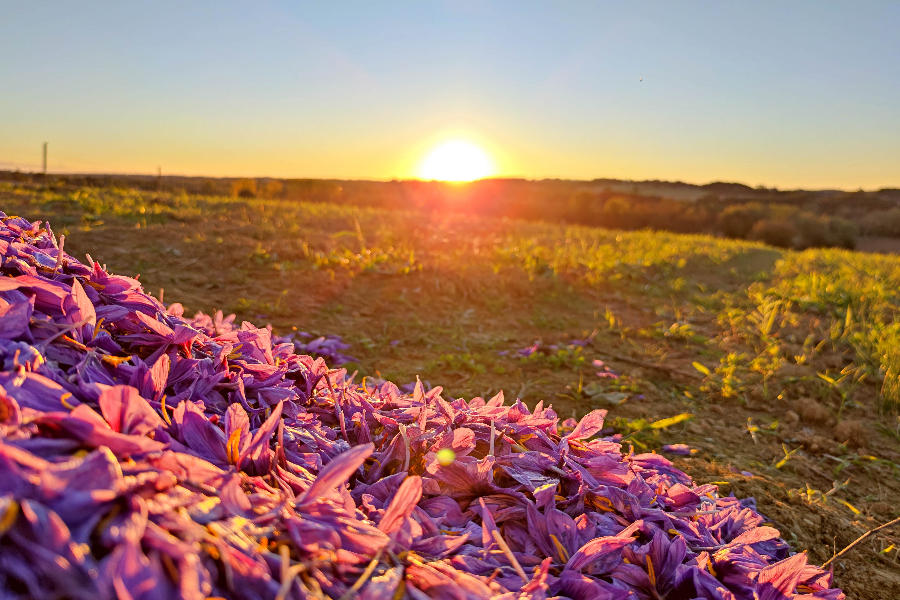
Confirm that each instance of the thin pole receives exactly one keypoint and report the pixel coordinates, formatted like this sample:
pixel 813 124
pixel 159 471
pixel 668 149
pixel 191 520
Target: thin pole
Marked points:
pixel 45 158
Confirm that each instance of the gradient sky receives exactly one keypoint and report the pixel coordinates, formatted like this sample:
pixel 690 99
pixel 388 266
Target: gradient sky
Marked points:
pixel 787 94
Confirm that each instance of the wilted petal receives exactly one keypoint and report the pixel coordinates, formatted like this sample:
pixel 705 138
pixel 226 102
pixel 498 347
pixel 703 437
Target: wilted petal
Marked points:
pixel 402 505
pixel 32 390
pixel 204 438
pixel 590 425
pixel 778 581
pixel 337 472
pixel 14 318
pixel 126 412
pixel 601 554
pixel 257 451
pixel 582 587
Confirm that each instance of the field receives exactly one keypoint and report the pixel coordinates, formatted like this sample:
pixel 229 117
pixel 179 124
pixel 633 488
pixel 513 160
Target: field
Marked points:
pixel 779 368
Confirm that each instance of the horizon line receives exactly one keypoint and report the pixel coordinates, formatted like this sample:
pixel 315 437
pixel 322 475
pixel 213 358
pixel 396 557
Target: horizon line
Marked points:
pixel 3 168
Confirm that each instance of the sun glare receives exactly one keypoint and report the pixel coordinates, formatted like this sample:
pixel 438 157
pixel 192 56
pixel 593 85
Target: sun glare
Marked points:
pixel 456 161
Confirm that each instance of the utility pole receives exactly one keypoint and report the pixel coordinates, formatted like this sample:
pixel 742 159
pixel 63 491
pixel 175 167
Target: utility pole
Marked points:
pixel 45 158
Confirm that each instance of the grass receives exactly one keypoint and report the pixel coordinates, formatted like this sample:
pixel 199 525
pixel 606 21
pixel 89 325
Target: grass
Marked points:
pixel 780 363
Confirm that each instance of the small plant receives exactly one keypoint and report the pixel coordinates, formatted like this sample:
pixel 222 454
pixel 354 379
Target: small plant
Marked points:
pixel 640 431
pixel 683 332
pixel 569 357
pixel 850 378
pixel 462 363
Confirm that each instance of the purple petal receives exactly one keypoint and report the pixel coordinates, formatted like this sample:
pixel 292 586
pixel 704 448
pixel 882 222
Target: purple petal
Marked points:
pixel 402 505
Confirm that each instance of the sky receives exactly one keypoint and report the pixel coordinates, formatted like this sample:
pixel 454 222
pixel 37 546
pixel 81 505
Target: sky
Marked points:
pixel 788 94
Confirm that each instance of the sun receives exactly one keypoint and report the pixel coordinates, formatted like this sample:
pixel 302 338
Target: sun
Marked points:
pixel 456 160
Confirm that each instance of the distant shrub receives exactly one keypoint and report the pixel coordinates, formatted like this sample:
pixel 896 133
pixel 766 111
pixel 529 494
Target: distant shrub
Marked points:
pixel 208 187
pixel 825 232
pixel 843 232
pixel 738 221
pixel 775 232
pixel 243 188
pixel 581 203
pixel 273 188
pixel 619 213
pixel 814 231
pixel 881 223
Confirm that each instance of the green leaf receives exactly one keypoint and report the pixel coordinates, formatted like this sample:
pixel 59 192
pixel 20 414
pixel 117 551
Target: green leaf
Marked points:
pixel 702 368
pixel 663 423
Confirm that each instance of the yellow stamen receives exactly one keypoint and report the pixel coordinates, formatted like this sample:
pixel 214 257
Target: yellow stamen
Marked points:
pixel 212 551
pixel 116 360
pixel 235 351
pixel 650 572
pixel 74 342
pixel 563 553
pixel 401 590
pixel 63 399
pixel 233 447
pixel 97 327
pixel 165 414
pixel 170 567
pixel 9 517
pixel 604 504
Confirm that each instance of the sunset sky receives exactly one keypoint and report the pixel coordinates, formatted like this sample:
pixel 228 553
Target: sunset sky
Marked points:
pixel 787 94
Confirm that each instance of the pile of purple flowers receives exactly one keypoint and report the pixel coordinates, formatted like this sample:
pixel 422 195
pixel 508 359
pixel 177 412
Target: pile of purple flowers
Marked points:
pixel 148 455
